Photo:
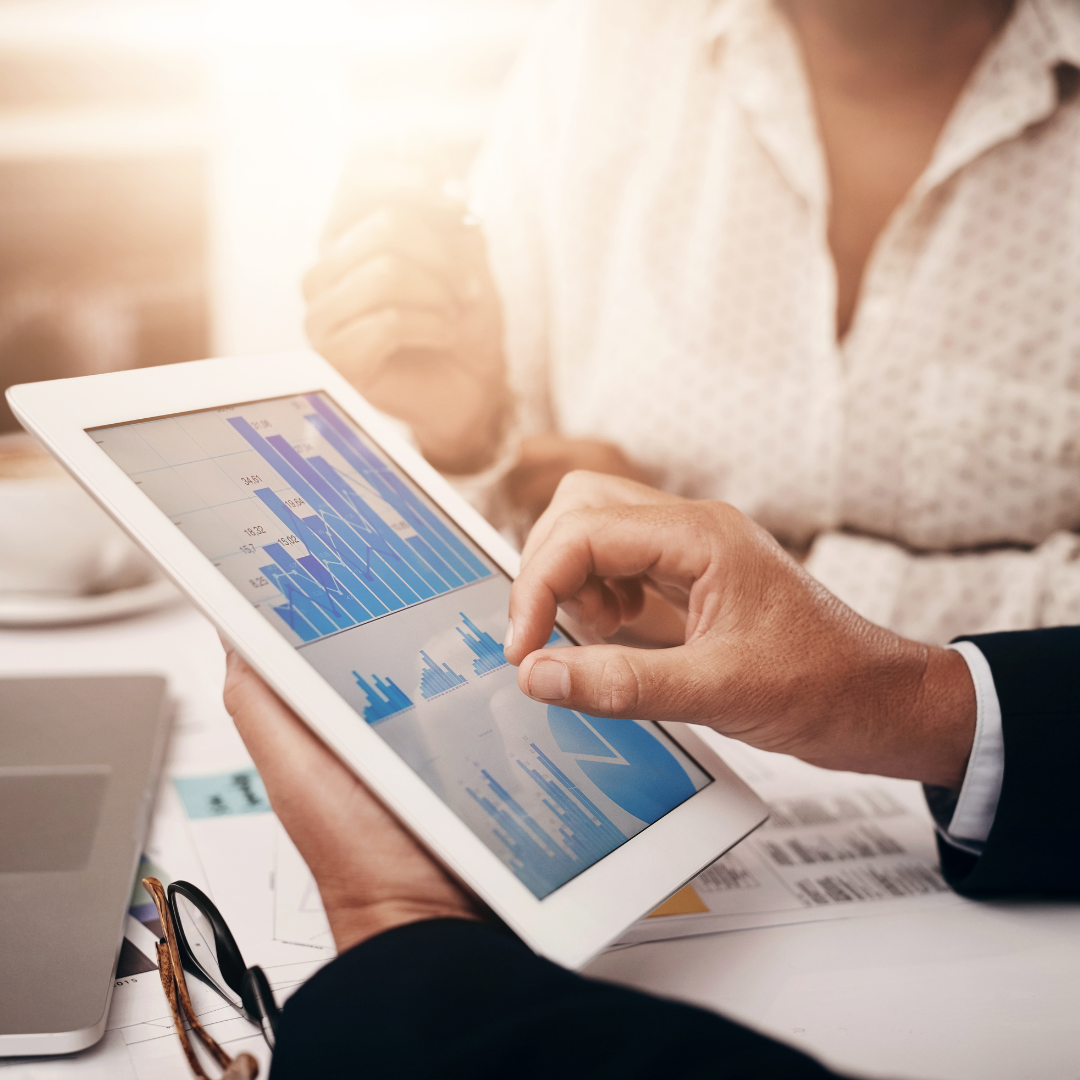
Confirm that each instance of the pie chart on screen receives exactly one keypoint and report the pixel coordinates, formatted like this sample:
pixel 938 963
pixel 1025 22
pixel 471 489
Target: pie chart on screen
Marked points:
pixel 628 763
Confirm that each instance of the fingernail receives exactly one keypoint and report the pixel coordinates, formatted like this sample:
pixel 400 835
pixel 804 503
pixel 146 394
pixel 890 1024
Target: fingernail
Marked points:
pixel 509 639
pixel 549 680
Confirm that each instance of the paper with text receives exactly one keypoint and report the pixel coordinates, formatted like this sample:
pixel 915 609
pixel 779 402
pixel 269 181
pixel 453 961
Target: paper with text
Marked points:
pixel 836 845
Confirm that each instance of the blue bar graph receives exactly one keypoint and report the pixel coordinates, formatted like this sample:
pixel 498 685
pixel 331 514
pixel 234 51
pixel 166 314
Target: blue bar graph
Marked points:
pixel 489 652
pixel 384 698
pixel 437 680
pixel 390 487
pixel 543 862
pixel 372 545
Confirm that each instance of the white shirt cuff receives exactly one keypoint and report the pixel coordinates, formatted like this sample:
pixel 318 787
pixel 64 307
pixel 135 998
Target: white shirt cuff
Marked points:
pixel 977 804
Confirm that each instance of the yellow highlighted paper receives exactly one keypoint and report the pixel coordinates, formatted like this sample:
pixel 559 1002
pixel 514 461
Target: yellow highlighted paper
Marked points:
pixel 684 902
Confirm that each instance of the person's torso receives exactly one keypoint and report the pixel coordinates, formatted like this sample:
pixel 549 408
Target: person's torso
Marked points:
pixel 692 295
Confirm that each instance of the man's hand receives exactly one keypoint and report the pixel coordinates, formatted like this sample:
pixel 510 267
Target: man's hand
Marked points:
pixel 770 657
pixel 372 875
pixel 403 304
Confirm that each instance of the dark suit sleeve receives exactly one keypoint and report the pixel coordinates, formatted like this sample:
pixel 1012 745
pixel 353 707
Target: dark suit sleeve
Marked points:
pixel 449 998
pixel 1034 843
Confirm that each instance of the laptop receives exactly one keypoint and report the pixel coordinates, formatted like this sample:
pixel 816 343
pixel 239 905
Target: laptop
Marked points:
pixel 79 760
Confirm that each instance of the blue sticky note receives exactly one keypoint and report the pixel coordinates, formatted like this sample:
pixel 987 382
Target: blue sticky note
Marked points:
pixel 223 795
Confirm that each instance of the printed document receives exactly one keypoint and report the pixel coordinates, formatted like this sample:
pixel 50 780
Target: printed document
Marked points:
pixel 836 845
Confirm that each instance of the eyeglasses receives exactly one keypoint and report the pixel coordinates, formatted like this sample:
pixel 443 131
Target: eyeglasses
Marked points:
pixel 198 940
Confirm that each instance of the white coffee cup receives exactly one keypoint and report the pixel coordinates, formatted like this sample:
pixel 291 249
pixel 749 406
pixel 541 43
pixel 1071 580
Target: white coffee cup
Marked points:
pixel 54 539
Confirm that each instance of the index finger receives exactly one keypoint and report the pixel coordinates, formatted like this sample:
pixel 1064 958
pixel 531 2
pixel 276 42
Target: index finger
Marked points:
pixel 583 490
pixel 669 543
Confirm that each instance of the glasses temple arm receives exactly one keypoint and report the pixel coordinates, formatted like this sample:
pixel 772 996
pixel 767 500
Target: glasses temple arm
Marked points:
pixel 168 984
pixel 171 955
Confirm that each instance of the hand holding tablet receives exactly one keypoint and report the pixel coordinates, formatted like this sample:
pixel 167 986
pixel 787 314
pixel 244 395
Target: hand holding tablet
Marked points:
pixel 372 875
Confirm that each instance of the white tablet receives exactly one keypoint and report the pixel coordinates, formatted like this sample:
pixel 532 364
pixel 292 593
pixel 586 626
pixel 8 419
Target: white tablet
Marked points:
pixel 373 599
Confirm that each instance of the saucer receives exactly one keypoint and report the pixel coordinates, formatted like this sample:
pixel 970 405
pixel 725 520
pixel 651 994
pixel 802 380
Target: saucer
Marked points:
pixel 29 610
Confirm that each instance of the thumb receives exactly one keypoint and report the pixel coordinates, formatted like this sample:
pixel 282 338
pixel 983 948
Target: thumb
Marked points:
pixel 611 680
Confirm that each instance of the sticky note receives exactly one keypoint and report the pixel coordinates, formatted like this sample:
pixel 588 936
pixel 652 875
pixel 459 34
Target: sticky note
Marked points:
pixel 223 795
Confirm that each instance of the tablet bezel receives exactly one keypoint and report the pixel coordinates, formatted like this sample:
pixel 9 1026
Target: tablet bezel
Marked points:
pixel 572 923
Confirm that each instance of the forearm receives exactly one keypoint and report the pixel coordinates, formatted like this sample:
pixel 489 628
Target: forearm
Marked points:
pixel 351 924
pixel 463 439
pixel 904 710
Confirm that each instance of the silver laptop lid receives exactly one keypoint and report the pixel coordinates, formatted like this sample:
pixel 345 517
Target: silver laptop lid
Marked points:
pixel 78 766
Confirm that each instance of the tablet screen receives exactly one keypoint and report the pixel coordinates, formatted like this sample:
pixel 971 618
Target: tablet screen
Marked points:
pixel 404 616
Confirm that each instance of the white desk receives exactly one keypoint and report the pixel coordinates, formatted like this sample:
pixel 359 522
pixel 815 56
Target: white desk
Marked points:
pixel 981 991
pixel 987 992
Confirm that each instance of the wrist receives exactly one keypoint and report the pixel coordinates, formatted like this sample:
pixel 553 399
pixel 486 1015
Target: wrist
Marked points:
pixel 470 443
pixel 923 723
pixel 908 711
pixel 353 924
pixel 946 709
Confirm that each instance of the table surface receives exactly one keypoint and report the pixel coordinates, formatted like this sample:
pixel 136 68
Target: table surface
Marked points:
pixel 975 991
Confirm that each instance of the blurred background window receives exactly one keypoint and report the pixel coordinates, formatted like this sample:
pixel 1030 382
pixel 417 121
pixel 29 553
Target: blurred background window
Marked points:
pixel 166 167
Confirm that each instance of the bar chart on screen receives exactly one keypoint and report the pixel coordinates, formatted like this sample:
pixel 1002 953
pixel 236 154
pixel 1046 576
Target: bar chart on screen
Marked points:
pixel 489 652
pixel 438 678
pixel 360 562
pixel 305 515
pixel 385 698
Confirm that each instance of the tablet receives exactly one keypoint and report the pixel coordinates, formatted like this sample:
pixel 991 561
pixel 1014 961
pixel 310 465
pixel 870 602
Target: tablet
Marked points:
pixel 373 599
